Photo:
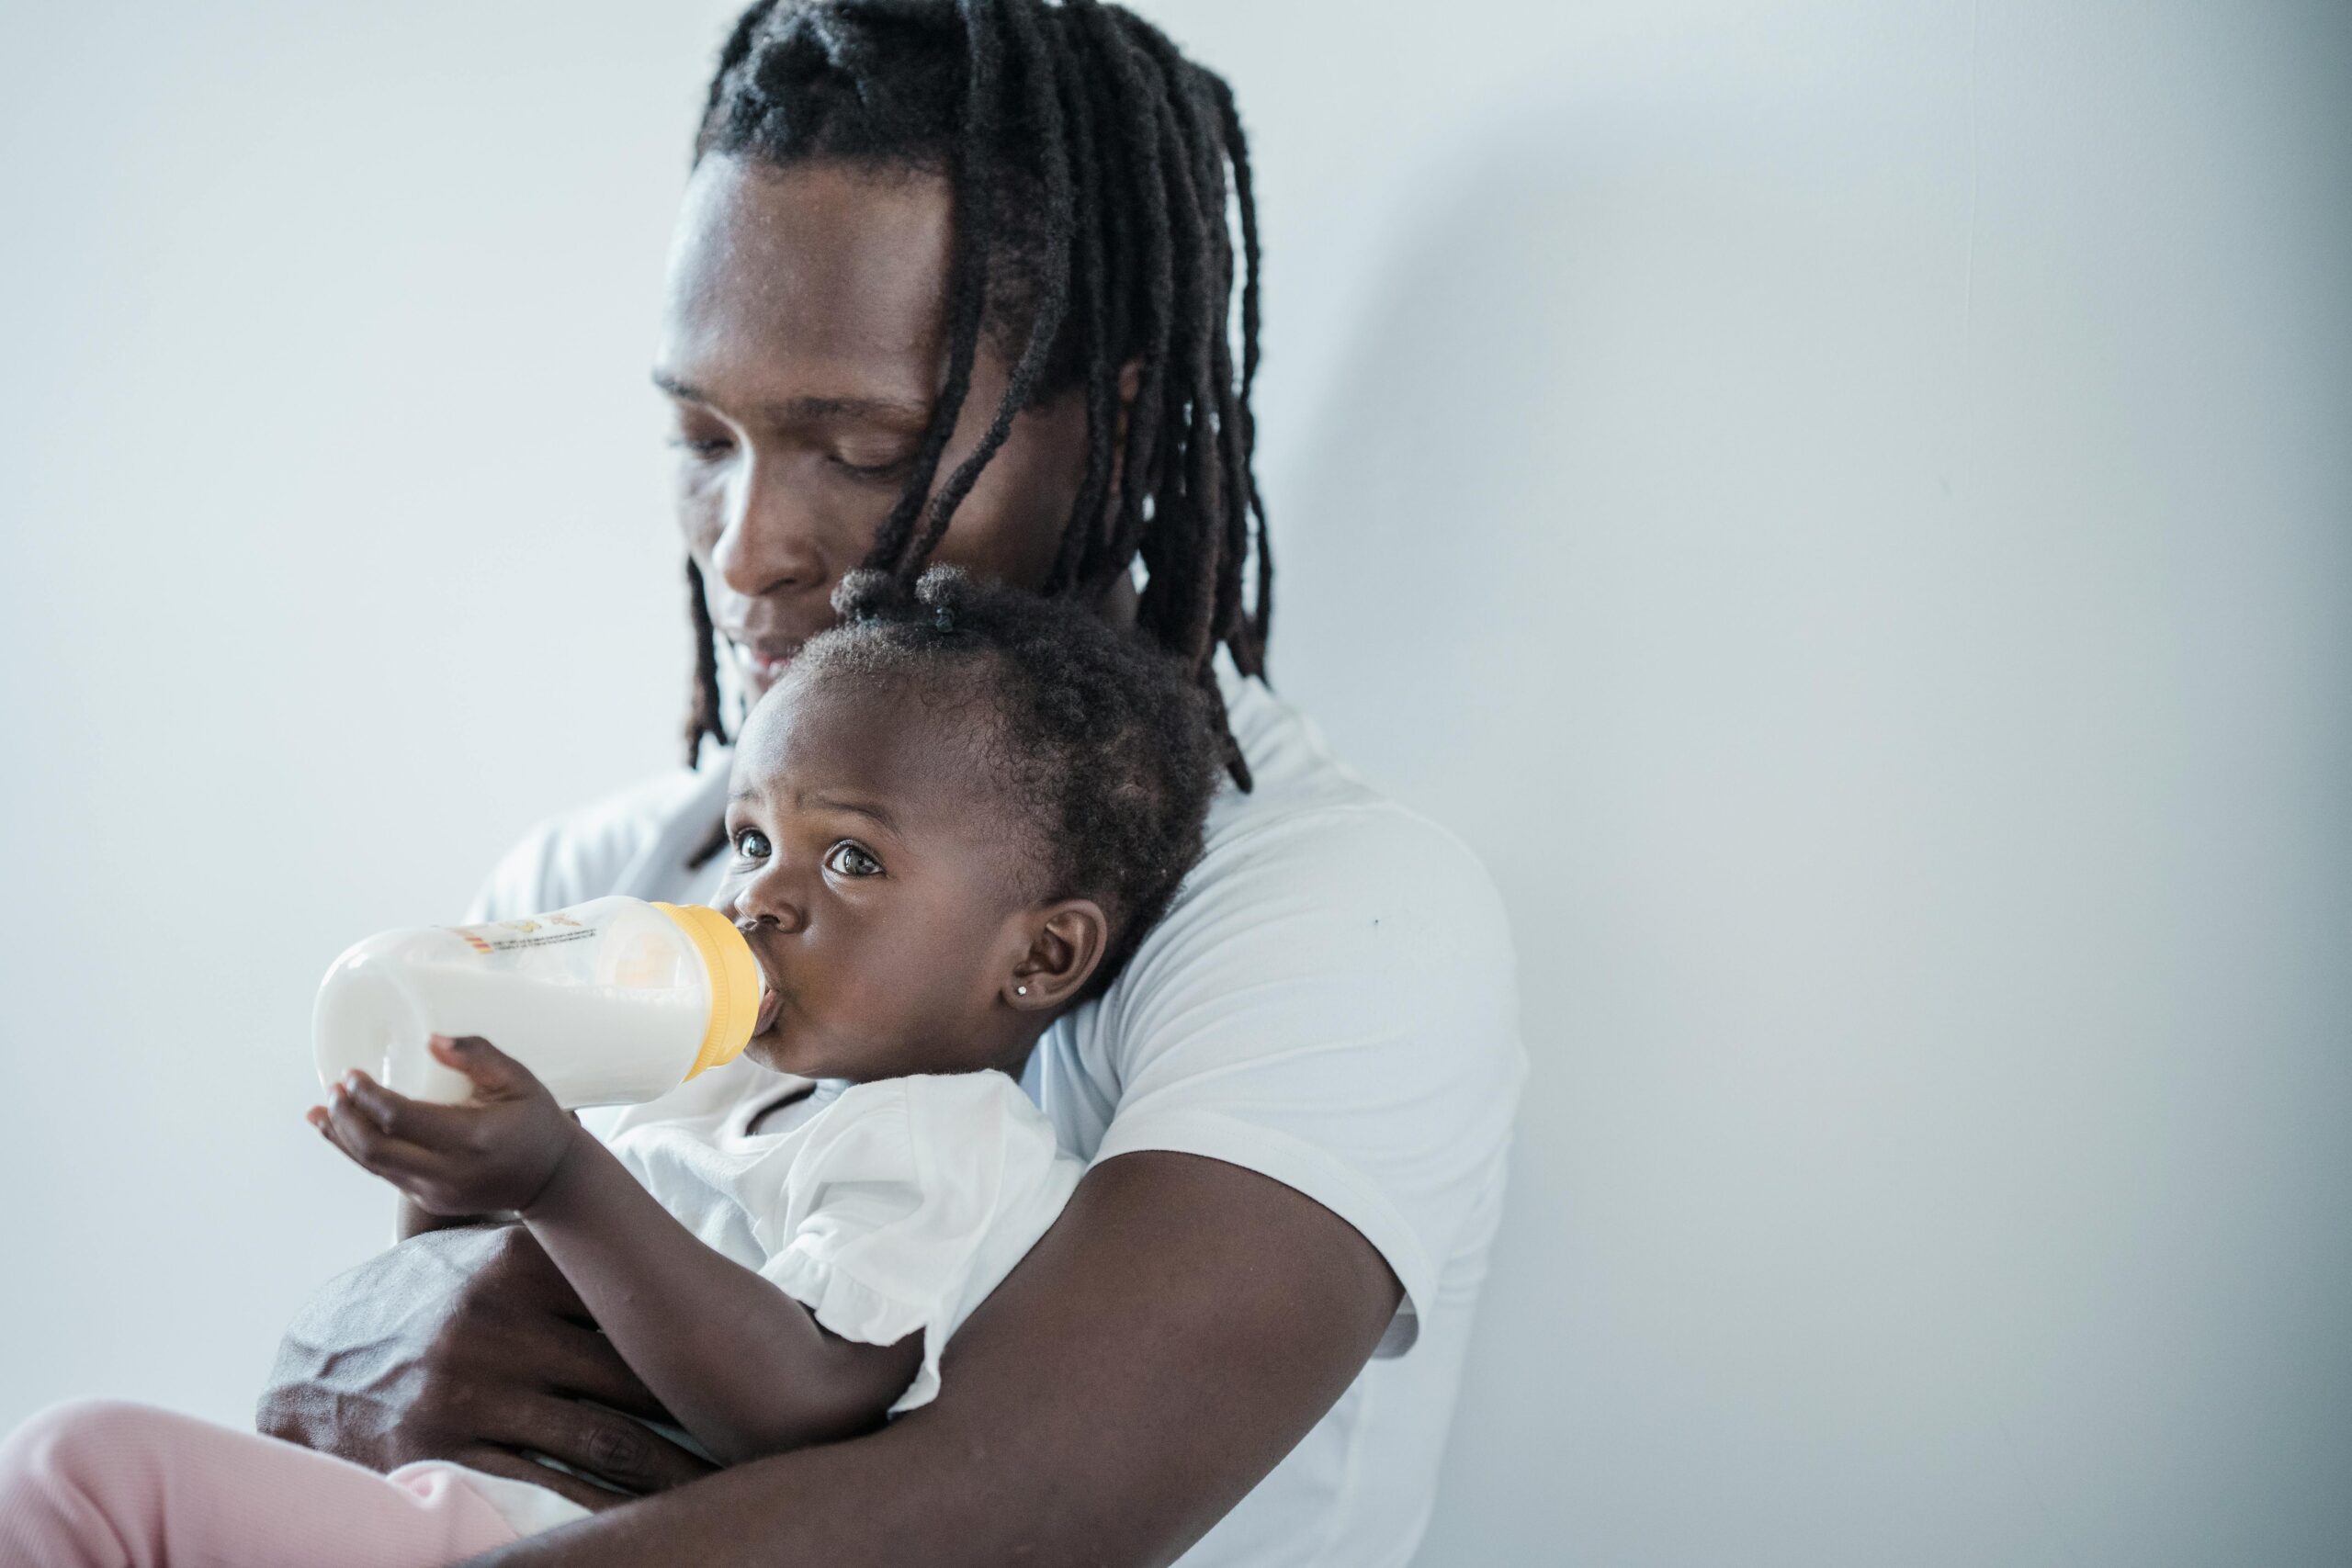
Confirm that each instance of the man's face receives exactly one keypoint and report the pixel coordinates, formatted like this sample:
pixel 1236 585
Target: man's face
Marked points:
pixel 803 344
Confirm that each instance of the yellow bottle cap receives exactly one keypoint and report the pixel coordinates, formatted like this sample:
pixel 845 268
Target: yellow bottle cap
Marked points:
pixel 734 982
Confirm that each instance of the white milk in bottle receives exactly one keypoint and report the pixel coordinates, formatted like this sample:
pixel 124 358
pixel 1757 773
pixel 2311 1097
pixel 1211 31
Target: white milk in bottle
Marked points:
pixel 610 1002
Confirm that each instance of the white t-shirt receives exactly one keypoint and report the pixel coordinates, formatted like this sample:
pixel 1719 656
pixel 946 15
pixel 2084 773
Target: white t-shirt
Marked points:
pixel 1330 1000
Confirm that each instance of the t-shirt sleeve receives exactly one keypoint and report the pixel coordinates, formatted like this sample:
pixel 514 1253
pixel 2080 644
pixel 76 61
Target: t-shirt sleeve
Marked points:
pixel 1332 1003
pixel 581 854
pixel 906 1204
pixel 527 880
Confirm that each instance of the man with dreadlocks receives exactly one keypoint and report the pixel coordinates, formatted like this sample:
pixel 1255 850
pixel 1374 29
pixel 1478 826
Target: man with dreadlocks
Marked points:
pixel 956 283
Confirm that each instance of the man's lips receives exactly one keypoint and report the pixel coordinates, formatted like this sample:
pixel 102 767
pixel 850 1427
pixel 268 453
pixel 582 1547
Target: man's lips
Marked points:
pixel 764 659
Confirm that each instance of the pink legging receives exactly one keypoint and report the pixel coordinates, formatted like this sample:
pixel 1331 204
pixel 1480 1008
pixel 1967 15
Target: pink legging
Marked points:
pixel 104 1485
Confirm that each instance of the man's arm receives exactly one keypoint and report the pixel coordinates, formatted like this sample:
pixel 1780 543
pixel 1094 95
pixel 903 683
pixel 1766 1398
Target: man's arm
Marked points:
pixel 1180 1328
pixel 412 1219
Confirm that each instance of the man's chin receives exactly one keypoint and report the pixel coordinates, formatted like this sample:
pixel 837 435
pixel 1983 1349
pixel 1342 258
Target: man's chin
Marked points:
pixel 758 675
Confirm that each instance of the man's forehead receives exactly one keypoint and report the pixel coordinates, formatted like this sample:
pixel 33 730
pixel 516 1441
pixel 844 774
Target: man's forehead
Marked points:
pixel 813 267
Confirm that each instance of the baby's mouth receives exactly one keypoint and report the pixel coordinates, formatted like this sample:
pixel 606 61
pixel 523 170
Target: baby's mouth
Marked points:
pixel 771 1003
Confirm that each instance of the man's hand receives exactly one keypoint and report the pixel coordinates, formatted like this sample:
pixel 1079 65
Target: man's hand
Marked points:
pixel 494 1156
pixel 468 1345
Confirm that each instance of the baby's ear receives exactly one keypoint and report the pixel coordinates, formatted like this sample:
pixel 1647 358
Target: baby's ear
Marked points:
pixel 1067 941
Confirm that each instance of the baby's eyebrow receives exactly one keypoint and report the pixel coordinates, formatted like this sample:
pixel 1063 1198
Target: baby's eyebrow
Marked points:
pixel 871 810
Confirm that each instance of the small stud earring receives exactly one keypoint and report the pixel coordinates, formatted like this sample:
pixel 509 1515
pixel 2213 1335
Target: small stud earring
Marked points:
pixel 1020 990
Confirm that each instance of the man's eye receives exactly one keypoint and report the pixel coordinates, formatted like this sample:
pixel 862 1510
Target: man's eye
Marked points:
pixel 846 859
pixel 704 447
pixel 752 844
pixel 881 469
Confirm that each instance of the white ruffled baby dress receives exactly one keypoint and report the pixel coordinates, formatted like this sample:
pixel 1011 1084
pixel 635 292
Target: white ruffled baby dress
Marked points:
pixel 888 1208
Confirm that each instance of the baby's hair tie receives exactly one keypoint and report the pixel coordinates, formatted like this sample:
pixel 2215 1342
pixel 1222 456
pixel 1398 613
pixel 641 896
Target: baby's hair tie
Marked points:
pixel 949 591
pixel 865 595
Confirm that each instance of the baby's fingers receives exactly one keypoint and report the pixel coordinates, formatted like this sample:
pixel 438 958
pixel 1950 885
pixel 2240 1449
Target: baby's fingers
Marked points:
pixel 414 1120
pixel 356 1134
pixel 495 1075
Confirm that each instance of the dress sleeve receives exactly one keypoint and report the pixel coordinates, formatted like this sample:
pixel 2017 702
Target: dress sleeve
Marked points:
pixel 1332 1003
pixel 906 1204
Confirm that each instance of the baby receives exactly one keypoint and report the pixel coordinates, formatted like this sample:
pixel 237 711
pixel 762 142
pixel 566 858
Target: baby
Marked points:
pixel 953 820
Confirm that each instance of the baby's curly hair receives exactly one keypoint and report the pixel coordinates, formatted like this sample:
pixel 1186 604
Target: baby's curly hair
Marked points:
pixel 1103 742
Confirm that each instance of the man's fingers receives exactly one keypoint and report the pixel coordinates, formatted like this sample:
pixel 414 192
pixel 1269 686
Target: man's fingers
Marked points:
pixel 506 1462
pixel 605 1443
pixel 581 1363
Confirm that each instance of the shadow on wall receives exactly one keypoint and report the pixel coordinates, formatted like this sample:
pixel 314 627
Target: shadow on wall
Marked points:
pixel 1904 720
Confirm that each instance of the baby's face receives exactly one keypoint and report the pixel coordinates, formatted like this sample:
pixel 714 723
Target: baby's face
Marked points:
pixel 872 877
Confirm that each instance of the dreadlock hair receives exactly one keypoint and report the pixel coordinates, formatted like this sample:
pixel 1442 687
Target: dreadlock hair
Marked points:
pixel 1089 162
pixel 1101 749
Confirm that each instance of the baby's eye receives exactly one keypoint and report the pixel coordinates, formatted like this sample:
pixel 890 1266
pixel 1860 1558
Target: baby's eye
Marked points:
pixel 752 844
pixel 847 859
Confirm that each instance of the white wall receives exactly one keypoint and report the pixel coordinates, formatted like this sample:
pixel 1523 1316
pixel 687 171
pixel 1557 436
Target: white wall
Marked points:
pixel 1844 505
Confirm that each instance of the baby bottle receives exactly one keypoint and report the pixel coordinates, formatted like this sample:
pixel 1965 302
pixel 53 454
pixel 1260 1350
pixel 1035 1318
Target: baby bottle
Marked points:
pixel 610 1002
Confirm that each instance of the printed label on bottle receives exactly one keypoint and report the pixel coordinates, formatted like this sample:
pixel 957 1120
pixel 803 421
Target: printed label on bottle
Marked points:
pixel 515 936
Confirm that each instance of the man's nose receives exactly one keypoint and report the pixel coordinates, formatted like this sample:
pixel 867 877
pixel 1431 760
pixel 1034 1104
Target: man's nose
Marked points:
pixel 770 541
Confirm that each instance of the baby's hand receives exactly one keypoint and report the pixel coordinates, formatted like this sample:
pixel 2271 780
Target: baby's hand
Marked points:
pixel 496 1155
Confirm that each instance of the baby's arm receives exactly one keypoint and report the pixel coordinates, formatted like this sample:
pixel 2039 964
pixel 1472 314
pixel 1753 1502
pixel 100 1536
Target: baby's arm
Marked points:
pixel 741 1365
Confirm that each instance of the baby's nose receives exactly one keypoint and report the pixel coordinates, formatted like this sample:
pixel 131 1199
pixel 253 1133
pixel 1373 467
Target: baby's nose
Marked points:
pixel 764 903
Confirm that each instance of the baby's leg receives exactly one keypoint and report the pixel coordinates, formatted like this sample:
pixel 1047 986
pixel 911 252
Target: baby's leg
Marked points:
pixel 105 1484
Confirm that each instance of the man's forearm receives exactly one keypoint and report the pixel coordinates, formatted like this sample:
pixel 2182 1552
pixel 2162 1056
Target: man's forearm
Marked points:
pixel 740 1364
pixel 1180 1327
pixel 890 1497
pixel 414 1219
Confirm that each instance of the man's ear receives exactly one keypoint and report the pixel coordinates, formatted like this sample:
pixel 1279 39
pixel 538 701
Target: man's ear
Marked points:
pixel 1067 941
pixel 1130 384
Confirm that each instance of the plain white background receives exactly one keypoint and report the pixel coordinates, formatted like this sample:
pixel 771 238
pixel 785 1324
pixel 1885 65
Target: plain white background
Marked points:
pixel 1844 505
